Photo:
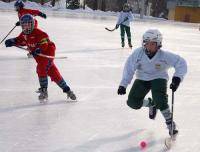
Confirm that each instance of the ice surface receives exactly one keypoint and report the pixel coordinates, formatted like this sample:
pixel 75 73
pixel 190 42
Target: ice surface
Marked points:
pixel 100 121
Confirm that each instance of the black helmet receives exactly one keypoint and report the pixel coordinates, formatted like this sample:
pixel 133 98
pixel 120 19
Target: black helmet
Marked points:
pixel 19 4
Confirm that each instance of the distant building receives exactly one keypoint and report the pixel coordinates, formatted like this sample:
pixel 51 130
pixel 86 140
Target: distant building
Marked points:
pixel 184 10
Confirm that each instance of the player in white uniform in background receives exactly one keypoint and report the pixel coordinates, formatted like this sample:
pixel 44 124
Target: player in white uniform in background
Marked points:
pixel 151 64
pixel 124 19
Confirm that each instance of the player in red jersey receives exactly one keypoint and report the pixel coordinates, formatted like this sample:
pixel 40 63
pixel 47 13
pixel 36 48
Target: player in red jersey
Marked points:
pixel 19 7
pixel 38 42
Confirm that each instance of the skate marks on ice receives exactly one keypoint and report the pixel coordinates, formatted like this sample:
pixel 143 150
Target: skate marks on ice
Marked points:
pixel 93 50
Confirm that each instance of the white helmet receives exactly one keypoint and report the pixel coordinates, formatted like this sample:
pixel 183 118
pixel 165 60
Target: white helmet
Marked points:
pixel 152 35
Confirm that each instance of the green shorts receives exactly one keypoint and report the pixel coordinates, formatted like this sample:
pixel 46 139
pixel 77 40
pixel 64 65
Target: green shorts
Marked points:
pixel 140 89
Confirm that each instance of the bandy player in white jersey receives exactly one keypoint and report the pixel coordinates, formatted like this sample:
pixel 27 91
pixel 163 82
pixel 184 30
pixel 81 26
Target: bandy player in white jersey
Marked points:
pixel 150 65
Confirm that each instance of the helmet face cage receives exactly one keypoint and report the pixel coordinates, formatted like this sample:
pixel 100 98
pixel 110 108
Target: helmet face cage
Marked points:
pixel 152 36
pixel 27 23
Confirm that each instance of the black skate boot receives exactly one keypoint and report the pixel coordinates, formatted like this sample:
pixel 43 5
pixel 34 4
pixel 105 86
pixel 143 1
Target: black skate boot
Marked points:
pixel 173 131
pixel 123 44
pixel 130 45
pixel 152 109
pixel 70 94
pixel 43 97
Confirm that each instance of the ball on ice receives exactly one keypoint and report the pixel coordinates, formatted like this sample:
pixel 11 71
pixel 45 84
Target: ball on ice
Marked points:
pixel 143 144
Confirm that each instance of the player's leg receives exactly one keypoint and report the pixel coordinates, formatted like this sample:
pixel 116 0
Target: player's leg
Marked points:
pixel 128 32
pixel 58 79
pixel 43 80
pixel 137 93
pixel 160 98
pixel 122 33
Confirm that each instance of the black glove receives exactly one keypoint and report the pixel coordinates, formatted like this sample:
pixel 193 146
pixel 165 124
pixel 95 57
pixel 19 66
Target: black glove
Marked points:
pixel 42 15
pixel 121 90
pixel 36 52
pixel 117 26
pixel 175 83
pixel 17 23
pixel 10 42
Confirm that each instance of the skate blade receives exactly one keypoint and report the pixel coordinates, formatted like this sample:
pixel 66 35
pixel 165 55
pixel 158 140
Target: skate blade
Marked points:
pixel 43 101
pixel 70 100
pixel 169 142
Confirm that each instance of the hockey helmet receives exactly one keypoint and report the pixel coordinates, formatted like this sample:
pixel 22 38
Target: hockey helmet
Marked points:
pixel 152 35
pixel 27 23
pixel 19 4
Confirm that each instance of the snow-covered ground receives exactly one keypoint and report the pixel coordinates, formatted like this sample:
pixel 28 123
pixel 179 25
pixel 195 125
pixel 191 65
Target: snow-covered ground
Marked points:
pixel 100 121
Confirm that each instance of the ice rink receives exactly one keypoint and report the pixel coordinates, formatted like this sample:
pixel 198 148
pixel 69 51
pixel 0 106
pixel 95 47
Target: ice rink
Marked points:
pixel 100 121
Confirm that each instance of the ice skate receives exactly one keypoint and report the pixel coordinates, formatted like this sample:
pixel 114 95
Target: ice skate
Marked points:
pixel 122 44
pixel 43 97
pixel 173 131
pixel 152 109
pixel 130 45
pixel 71 95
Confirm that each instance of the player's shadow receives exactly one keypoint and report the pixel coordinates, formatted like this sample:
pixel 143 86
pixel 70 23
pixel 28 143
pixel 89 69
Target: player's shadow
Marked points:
pixel 14 58
pixel 95 144
pixel 30 106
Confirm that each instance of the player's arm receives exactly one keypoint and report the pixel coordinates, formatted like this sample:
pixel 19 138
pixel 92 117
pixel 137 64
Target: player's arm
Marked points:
pixel 17 41
pixel 180 67
pixel 38 13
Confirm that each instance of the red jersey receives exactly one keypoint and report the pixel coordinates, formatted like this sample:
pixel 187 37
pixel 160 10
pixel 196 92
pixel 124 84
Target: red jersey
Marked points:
pixel 24 11
pixel 40 39
pixel 37 39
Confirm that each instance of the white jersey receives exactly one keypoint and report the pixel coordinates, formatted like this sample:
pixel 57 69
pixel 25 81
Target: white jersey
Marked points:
pixel 149 69
pixel 122 16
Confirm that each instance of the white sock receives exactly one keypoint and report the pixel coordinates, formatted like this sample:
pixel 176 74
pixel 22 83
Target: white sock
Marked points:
pixel 146 103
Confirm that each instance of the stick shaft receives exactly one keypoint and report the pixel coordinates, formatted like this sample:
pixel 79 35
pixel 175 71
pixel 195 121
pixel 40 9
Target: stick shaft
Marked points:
pixel 172 113
pixel 42 55
pixel 8 34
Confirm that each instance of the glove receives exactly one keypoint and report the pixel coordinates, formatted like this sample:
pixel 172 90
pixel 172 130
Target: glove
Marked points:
pixel 175 83
pixel 17 24
pixel 121 90
pixel 36 52
pixel 117 26
pixel 10 42
pixel 42 15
